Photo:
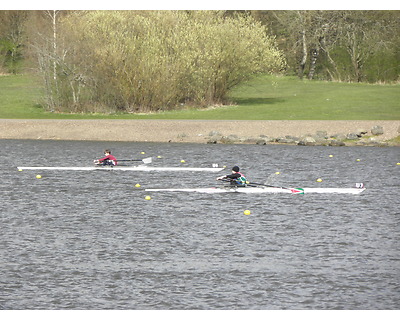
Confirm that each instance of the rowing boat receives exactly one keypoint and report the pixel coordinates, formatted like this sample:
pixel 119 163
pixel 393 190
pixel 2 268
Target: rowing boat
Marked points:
pixel 262 190
pixel 123 168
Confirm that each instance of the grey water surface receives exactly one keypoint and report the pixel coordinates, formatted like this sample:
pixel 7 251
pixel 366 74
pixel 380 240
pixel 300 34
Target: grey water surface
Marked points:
pixel 90 240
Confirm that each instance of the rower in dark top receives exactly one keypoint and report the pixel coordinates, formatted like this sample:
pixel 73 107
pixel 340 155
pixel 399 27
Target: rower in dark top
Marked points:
pixel 236 178
pixel 108 160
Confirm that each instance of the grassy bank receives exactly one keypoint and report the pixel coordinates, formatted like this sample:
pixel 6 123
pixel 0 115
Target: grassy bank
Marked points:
pixel 20 97
pixel 263 98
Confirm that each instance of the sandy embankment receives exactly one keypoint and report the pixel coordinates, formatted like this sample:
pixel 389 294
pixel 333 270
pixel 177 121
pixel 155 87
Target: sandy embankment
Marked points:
pixel 195 131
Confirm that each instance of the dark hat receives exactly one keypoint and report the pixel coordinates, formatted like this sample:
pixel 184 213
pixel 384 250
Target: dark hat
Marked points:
pixel 236 169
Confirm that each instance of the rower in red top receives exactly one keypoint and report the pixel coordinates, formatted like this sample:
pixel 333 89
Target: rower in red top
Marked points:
pixel 236 178
pixel 108 160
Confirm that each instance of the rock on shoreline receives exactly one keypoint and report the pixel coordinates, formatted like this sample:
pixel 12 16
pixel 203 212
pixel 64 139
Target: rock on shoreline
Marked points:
pixel 297 132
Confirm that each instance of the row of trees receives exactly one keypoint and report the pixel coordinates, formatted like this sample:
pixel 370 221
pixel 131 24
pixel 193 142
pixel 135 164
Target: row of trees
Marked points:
pixel 140 61
pixel 358 46
pixel 12 40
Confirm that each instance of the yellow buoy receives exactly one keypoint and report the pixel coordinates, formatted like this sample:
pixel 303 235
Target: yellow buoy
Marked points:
pixel 247 212
pixel 398 163
pixel 19 169
pixel 143 152
pixel 137 185
pixel 330 156
pixel 319 180
pixel 182 161
pixel 38 176
pixel 159 157
pixel 277 172
pixel 358 160
pixel 147 198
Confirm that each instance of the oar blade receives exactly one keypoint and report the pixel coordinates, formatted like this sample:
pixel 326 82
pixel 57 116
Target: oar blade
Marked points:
pixel 297 190
pixel 147 160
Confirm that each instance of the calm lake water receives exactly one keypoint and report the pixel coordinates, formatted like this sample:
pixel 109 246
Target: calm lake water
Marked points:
pixel 89 240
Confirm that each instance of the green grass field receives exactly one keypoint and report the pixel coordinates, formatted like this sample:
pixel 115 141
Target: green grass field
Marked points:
pixel 263 98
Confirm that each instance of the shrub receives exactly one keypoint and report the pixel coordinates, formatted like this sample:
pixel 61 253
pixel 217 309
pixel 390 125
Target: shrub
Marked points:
pixel 145 61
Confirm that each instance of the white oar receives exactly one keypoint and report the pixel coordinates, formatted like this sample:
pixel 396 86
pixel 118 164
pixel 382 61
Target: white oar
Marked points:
pixel 145 160
pixel 253 184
